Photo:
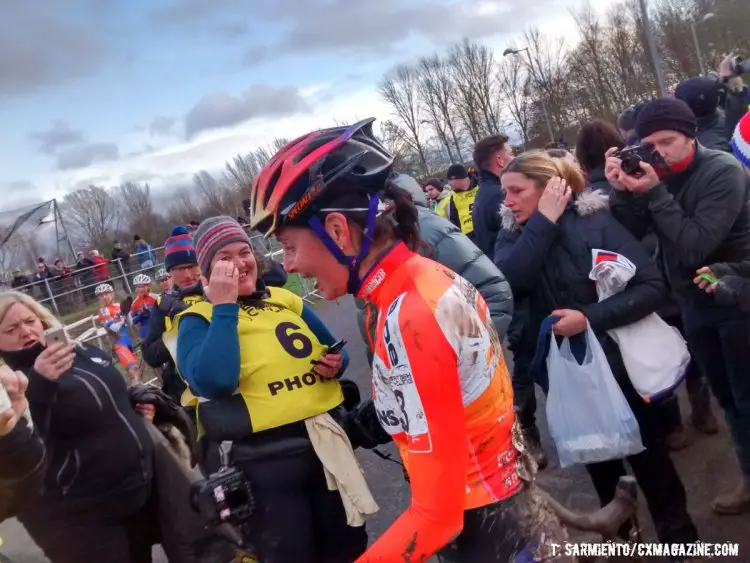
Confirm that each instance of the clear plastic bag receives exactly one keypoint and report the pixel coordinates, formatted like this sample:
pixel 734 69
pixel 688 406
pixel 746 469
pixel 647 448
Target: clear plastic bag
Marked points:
pixel 588 416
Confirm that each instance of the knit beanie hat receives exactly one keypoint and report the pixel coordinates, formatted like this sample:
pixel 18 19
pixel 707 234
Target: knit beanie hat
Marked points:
pixel 700 94
pixel 178 250
pixel 741 140
pixel 212 235
pixel 666 114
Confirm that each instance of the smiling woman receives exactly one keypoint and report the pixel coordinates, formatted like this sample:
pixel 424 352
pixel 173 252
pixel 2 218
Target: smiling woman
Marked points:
pixel 259 359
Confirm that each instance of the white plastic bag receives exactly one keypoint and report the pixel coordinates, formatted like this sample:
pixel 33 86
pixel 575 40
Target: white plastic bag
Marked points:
pixel 588 416
pixel 654 353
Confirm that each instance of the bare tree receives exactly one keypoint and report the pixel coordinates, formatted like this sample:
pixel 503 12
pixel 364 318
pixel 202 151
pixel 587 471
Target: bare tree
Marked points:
pixel 515 85
pixel 400 90
pixel 437 92
pixel 210 191
pixel 474 74
pixel 92 212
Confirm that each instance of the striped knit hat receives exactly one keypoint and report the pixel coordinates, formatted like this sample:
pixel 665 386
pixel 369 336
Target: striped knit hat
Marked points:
pixel 212 235
pixel 741 140
pixel 178 250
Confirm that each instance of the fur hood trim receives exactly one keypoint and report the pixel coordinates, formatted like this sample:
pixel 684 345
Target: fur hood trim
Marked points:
pixel 585 204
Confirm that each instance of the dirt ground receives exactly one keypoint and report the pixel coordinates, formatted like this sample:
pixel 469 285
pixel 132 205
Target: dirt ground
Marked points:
pixel 707 467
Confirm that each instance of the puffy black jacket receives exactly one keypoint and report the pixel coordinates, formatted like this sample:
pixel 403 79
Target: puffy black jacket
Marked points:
pixel 712 132
pixel 454 250
pixel 547 265
pixel 484 214
pixel 22 468
pixel 99 450
pixel 155 352
pixel 700 217
pixel 733 289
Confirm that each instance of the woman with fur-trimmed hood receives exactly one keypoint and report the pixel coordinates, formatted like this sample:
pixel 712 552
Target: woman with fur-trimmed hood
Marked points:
pixel 550 225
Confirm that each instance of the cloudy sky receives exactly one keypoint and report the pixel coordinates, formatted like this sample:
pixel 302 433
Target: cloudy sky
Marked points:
pixel 105 91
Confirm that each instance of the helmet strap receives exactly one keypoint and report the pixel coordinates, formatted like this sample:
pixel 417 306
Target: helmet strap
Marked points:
pixel 353 263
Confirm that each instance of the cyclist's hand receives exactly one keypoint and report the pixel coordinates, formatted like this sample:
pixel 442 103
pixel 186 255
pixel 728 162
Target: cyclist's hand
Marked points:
pixel 223 287
pixel 329 365
pixel 55 360
pixel 14 383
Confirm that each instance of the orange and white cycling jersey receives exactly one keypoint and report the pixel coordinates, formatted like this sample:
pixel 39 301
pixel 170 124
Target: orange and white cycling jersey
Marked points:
pixel 442 390
pixel 109 313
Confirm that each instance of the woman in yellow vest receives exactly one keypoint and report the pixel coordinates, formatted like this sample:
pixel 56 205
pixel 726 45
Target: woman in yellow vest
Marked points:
pixel 257 357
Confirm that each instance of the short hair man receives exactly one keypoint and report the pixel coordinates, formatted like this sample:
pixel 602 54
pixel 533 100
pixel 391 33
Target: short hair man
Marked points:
pixel 696 204
pixel 491 155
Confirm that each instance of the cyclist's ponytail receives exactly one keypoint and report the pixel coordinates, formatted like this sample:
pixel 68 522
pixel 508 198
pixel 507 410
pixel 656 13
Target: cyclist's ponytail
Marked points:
pixel 402 220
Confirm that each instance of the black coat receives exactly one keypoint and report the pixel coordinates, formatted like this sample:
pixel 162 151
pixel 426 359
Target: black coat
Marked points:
pixel 596 180
pixel 699 217
pixel 99 452
pixel 22 468
pixel 489 197
pixel 547 265
pixel 712 132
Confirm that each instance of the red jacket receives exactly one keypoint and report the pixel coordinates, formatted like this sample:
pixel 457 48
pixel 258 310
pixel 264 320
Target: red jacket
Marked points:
pixel 101 270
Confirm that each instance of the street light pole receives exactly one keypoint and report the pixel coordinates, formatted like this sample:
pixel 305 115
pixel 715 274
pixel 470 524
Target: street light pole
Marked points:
pixel 655 58
pixel 545 113
pixel 693 25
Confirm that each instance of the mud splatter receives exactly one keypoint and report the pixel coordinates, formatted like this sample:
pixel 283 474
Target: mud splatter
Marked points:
pixel 408 554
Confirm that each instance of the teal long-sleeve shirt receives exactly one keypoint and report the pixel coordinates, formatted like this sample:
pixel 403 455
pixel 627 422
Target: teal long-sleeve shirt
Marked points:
pixel 202 346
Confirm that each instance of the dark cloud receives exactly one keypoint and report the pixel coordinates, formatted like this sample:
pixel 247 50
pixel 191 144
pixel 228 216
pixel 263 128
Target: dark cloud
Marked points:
pixel 349 27
pixel 161 125
pixel 86 154
pixel 59 134
pixel 222 110
pixel 42 44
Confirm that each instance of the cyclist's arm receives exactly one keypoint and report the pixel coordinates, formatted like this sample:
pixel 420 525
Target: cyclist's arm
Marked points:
pixel 437 472
pixel 208 354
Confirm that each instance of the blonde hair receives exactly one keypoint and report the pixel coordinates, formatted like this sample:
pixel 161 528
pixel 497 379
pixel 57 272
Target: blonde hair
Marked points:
pixel 10 298
pixel 540 167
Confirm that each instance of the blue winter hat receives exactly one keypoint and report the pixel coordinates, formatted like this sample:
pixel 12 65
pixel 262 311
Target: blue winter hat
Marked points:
pixel 179 250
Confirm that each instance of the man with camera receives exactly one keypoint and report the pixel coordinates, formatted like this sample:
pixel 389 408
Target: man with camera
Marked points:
pixel 737 98
pixel 695 201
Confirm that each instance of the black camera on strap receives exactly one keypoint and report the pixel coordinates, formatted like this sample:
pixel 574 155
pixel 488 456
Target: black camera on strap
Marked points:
pixel 224 497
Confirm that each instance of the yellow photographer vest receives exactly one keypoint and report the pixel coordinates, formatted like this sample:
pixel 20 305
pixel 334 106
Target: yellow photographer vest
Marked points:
pixel 463 203
pixel 276 385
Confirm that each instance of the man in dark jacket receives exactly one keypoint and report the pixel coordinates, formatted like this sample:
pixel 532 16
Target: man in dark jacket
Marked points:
pixel 737 93
pixel 698 208
pixel 119 254
pixel 491 155
pixel 702 96
pixel 457 206
pixel 181 261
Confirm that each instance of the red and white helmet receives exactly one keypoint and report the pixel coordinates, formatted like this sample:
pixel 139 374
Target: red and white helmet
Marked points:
pixel 305 171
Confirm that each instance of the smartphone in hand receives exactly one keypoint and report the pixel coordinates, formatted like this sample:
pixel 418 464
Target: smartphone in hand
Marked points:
pixel 58 334
pixel 708 277
pixel 5 403
pixel 336 347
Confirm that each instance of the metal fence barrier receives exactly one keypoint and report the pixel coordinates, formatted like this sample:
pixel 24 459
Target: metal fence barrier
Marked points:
pixel 70 293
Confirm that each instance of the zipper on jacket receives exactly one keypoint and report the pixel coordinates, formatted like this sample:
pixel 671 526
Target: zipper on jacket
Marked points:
pixel 91 390
pixel 122 418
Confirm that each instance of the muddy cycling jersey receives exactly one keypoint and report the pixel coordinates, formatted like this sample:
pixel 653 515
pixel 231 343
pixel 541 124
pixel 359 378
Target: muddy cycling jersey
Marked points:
pixel 109 313
pixel 143 303
pixel 442 390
